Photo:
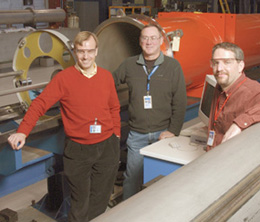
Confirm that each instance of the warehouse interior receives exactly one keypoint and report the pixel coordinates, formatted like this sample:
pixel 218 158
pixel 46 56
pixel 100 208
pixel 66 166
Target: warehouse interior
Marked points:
pixel 36 42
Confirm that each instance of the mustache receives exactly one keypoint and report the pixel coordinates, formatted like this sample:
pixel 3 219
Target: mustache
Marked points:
pixel 221 72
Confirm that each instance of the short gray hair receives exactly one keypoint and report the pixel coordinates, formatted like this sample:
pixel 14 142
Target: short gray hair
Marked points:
pixel 239 54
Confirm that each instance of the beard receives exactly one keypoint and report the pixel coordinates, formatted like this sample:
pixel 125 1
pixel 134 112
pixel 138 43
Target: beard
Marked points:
pixel 222 78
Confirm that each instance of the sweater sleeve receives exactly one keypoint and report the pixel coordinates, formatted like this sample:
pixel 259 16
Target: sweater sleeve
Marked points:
pixel 179 101
pixel 115 109
pixel 50 95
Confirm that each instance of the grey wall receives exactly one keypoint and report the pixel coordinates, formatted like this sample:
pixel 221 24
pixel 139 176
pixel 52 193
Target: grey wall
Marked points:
pixel 88 13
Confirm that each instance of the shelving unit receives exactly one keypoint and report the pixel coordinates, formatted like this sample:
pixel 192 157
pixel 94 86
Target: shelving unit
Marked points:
pixel 113 10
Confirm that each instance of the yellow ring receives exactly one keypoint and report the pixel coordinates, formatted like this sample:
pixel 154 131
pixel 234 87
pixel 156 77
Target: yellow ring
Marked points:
pixel 22 62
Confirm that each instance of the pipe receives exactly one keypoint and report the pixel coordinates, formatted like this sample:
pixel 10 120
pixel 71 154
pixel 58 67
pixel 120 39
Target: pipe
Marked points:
pixel 10 74
pixel 199 32
pixel 23 89
pixel 32 16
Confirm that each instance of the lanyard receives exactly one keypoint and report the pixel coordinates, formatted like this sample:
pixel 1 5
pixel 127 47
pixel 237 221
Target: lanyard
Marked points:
pixel 217 112
pixel 149 77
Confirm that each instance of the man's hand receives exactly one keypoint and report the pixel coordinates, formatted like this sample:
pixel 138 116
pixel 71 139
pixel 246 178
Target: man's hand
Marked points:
pixel 232 131
pixel 166 134
pixel 17 140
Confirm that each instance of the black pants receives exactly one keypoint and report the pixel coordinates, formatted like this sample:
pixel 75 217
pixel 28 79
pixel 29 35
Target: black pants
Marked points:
pixel 91 172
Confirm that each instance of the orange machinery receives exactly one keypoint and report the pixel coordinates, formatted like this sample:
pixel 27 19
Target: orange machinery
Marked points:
pixel 197 34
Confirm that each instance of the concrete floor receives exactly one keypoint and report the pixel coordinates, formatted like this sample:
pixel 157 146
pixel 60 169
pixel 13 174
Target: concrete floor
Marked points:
pixel 21 201
pixel 23 198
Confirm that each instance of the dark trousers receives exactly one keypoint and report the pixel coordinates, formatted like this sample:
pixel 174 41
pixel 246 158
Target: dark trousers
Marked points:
pixel 91 172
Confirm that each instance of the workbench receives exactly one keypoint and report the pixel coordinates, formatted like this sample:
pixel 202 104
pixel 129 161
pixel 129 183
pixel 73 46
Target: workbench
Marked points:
pixel 167 155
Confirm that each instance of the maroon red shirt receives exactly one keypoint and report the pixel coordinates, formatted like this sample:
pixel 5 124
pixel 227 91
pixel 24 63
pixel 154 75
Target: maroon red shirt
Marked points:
pixel 240 104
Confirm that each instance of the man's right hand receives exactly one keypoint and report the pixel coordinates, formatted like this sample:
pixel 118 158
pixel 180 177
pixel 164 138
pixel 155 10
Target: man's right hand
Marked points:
pixel 17 140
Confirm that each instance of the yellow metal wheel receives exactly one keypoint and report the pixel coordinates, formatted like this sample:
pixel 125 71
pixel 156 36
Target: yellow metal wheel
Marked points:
pixel 43 43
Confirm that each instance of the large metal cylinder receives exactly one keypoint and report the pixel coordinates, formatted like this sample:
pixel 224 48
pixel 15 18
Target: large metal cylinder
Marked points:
pixel 32 16
pixel 201 31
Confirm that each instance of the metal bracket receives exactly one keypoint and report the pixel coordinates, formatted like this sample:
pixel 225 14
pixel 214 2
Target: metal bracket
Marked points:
pixel 174 38
pixel 175 33
pixel 23 82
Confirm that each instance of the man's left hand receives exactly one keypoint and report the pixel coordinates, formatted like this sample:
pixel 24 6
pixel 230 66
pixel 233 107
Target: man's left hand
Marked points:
pixel 232 131
pixel 166 134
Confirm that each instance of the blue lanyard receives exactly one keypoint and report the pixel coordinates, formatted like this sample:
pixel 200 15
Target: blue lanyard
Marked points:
pixel 149 77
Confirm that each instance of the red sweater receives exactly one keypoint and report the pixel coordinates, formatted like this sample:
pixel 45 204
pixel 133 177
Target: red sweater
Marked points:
pixel 82 101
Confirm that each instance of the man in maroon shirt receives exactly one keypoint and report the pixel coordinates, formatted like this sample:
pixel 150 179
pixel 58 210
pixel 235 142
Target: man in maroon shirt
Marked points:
pixel 236 102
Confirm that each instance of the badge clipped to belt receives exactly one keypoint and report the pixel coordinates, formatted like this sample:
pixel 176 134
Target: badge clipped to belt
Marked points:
pixel 95 128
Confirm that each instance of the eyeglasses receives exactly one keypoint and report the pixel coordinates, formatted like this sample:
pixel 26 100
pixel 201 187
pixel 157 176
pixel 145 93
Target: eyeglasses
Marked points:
pixel 82 52
pixel 152 38
pixel 225 62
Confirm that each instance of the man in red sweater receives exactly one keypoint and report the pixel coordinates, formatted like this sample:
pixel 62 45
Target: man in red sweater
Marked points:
pixel 90 114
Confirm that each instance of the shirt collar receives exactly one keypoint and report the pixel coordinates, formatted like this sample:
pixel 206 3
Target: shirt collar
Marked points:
pixel 86 73
pixel 157 62
pixel 233 86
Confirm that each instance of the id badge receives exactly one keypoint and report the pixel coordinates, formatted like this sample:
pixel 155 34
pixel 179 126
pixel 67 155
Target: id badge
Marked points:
pixel 147 102
pixel 95 129
pixel 211 138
